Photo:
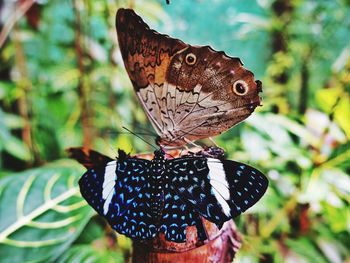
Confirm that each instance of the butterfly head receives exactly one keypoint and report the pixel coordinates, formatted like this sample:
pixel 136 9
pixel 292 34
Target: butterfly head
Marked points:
pixel 158 161
pixel 122 155
pixel 159 154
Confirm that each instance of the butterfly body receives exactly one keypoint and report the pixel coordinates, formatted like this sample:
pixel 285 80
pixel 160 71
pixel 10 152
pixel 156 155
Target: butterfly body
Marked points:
pixel 188 92
pixel 142 198
pixel 157 182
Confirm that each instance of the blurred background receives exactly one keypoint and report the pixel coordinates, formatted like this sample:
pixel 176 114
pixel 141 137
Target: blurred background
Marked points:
pixel 63 84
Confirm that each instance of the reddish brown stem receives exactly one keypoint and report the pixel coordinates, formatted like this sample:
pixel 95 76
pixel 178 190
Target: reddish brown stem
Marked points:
pixel 11 21
pixel 220 247
pixel 82 88
pixel 22 102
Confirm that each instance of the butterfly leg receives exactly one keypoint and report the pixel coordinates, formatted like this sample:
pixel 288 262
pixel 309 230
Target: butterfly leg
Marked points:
pixel 192 143
pixel 212 140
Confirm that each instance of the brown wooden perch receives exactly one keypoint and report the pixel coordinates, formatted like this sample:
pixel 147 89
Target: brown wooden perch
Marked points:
pixel 221 245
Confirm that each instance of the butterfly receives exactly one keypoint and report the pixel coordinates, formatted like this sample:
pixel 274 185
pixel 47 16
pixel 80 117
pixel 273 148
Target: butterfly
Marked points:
pixel 141 198
pixel 188 92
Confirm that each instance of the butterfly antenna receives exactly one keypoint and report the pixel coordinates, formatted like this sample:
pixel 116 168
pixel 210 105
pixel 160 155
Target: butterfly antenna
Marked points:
pixel 119 132
pixel 110 146
pixel 146 130
pixel 113 150
pixel 140 138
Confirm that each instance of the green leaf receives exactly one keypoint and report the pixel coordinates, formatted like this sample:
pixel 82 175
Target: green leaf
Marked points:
pixel 41 213
pixel 8 142
pixel 87 253
pixel 327 98
pixel 92 231
pixel 17 148
pixel 331 249
pixel 342 114
pixel 13 121
pixel 306 249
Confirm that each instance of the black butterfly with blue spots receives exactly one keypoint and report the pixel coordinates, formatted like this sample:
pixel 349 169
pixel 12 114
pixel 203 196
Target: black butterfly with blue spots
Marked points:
pixel 140 198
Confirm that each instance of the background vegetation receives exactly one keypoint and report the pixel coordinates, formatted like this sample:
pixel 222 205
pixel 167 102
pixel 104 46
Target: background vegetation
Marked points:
pixel 63 84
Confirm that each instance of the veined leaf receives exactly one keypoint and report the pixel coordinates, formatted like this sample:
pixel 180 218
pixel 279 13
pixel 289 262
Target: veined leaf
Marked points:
pixel 87 253
pixel 41 213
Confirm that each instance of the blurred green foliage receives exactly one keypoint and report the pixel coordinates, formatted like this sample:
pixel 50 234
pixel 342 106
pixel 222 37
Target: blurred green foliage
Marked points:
pixel 63 84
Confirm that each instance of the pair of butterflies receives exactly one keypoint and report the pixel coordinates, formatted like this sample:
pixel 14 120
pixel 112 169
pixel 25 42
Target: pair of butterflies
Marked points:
pixel 188 93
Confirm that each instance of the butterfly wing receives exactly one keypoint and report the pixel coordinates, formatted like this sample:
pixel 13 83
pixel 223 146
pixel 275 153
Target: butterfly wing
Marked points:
pixel 146 56
pixel 218 189
pixel 206 103
pixel 177 216
pixel 87 157
pixel 120 192
pixel 187 91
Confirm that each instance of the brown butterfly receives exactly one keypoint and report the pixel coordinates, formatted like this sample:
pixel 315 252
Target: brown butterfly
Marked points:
pixel 188 92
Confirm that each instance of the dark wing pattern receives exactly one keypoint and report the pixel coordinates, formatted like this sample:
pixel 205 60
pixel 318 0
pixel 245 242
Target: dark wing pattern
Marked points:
pixel 193 186
pixel 120 192
pixel 188 92
pixel 177 215
pixel 87 157
pixel 219 190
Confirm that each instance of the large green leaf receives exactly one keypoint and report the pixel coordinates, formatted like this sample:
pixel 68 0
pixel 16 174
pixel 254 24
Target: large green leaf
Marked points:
pixel 41 213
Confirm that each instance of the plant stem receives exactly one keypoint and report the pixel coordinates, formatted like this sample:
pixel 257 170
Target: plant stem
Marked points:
pixel 82 87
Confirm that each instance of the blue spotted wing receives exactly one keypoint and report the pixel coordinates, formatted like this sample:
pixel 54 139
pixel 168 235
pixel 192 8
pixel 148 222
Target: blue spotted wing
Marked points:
pixel 218 189
pixel 140 198
pixel 178 214
pixel 120 192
